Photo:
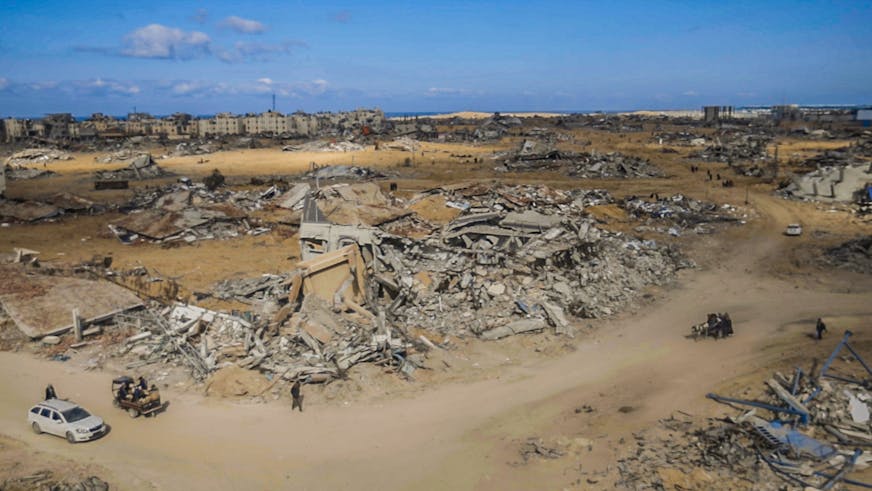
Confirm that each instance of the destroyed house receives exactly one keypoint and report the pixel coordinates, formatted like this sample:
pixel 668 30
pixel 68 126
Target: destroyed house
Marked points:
pixel 319 236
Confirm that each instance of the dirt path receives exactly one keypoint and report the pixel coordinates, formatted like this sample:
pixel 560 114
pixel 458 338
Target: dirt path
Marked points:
pixel 458 436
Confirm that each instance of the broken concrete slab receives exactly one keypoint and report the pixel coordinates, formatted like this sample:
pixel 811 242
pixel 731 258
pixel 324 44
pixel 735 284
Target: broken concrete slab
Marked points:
pixel 516 327
pixel 41 305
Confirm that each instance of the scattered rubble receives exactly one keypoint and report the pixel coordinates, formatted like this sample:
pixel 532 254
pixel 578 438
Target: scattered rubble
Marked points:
pixel 44 481
pixel 36 156
pixel 733 148
pixel 815 440
pixel 24 173
pixel 843 183
pixel 324 146
pixel 536 156
pixel 142 167
pixel 344 172
pixel 853 255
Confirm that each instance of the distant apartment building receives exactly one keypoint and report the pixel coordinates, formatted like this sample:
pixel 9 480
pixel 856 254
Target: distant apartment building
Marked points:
pixel 223 124
pixel 299 124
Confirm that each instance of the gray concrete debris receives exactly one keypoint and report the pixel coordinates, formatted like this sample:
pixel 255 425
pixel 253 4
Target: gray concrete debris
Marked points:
pixel 141 167
pixel 533 156
pixel 343 172
pixel 516 327
pixel 840 183
pixel 45 480
pixel 36 156
pixel 743 449
pixel 853 255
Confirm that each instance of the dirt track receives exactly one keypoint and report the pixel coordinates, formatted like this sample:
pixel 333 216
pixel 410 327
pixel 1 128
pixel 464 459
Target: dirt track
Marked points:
pixel 463 435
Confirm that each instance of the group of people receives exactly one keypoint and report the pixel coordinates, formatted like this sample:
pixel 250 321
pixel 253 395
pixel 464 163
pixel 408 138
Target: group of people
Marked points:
pixel 719 325
pixel 134 392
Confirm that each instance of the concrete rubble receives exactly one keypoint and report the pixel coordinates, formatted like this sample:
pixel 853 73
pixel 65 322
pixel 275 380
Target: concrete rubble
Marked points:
pixel 853 255
pixel 36 156
pixel 820 434
pixel 537 156
pixel 45 480
pixel 141 167
pixel 381 283
pixel 324 146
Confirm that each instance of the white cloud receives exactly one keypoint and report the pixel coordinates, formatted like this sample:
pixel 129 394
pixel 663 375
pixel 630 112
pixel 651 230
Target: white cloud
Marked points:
pixel 100 86
pixel 244 51
pixel 260 86
pixel 690 93
pixel 159 41
pixel 439 91
pixel 243 26
pixel 4 82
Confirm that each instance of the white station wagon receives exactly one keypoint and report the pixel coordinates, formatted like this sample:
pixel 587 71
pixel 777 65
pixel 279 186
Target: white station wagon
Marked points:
pixel 65 419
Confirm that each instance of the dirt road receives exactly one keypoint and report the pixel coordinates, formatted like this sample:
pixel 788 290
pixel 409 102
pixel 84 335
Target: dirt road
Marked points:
pixel 460 436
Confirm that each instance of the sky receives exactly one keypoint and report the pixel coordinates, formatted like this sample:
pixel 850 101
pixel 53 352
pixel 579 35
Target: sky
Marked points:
pixel 207 57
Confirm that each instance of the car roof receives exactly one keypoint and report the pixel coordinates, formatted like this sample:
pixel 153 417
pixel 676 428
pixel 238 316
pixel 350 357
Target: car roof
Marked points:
pixel 58 404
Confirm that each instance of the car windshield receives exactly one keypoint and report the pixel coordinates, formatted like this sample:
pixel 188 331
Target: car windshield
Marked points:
pixel 75 414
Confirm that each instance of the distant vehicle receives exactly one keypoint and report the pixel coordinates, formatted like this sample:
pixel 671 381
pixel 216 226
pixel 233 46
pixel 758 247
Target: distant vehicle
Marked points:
pixel 793 230
pixel 65 419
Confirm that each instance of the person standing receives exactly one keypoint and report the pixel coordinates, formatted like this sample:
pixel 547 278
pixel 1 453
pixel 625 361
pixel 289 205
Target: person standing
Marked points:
pixel 821 328
pixel 50 392
pixel 296 396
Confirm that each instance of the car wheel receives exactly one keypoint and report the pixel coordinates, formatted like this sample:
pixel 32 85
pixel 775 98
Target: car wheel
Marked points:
pixel 133 412
pixel 70 437
pixel 36 428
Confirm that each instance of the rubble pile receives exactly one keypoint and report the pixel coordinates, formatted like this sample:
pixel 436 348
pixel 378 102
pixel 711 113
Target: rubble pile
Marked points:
pixel 344 172
pixel 817 438
pixel 190 212
pixel 535 156
pixel 24 173
pixel 324 146
pixel 854 255
pixel 122 155
pixel 502 260
pixel 193 148
pixel 515 258
pixel 681 212
pixel 403 143
pixel 142 167
pixel 36 156
pixel 680 138
pixel 45 481
pixel 52 207
pixel 735 148
pixel 856 154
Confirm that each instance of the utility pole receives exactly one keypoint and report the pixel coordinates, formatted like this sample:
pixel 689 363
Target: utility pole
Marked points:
pixel 274 102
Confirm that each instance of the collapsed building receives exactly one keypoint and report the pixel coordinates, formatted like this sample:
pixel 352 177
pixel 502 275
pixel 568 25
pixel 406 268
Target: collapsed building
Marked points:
pixel 386 280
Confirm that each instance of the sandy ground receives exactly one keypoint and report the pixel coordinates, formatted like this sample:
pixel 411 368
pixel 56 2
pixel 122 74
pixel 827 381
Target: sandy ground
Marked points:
pixel 464 435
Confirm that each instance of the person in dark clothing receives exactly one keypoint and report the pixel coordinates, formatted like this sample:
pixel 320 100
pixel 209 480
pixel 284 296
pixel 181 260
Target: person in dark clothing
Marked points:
pixel 142 384
pixel 137 393
pixel 122 392
pixel 727 325
pixel 296 396
pixel 821 328
pixel 50 392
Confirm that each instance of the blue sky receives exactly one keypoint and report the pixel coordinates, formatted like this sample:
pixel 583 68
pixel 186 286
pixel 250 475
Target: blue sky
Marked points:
pixel 205 57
